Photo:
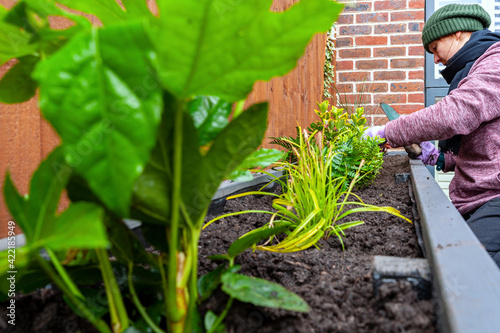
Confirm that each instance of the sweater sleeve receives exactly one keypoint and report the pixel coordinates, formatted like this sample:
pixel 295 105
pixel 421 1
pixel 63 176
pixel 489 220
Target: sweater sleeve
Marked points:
pixel 449 162
pixel 472 103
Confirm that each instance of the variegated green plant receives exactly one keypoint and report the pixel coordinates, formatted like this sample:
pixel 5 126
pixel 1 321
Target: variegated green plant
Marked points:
pixel 342 131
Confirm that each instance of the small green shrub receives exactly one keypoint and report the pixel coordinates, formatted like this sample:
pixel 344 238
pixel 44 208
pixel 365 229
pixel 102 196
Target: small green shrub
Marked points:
pixel 345 133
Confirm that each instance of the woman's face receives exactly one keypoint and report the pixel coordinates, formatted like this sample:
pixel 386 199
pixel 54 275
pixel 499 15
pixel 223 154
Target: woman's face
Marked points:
pixel 445 48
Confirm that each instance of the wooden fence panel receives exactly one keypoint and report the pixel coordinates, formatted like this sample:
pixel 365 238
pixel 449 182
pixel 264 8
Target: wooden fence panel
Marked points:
pixel 26 138
pixel 293 97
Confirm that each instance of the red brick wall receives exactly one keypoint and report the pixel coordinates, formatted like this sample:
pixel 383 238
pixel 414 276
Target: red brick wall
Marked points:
pixel 379 53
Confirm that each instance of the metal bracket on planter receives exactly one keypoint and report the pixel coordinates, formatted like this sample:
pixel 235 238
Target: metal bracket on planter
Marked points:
pixel 402 177
pixel 229 187
pixel 414 270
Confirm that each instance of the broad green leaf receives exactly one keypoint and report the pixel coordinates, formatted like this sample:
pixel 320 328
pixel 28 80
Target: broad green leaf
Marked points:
pixel 260 158
pixel 219 257
pixel 151 196
pixel 3 11
pixel 14 42
pixel 27 27
pixel 19 17
pixel 94 302
pixel 125 244
pixel 221 48
pixel 197 325
pixel 28 277
pixel 241 176
pixel 132 329
pixel 43 9
pixel 209 282
pixel 40 206
pixel 78 190
pixel 78 227
pixel 209 321
pixel 22 259
pixel 201 175
pixel 99 84
pixel 255 236
pixel 17 85
pixel 195 170
pixel 109 11
pixel 261 292
pixel 32 277
pixel 155 312
pixel 155 235
pixel 153 189
pixel 136 8
pixel 238 140
pixel 210 115
pixel 147 281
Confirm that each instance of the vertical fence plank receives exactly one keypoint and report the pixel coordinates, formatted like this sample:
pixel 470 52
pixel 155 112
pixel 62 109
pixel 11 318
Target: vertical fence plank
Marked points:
pixel 292 98
pixel 20 142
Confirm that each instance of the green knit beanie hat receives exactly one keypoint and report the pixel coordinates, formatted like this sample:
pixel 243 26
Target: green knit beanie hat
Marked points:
pixel 452 18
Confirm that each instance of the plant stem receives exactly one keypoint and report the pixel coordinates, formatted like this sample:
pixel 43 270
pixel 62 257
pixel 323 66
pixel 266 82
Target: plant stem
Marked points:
pixel 84 311
pixel 175 313
pixel 163 281
pixel 64 275
pixel 193 279
pixel 119 317
pixel 222 315
pixel 138 304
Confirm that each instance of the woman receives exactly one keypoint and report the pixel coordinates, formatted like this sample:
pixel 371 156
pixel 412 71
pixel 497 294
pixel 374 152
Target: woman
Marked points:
pixel 467 120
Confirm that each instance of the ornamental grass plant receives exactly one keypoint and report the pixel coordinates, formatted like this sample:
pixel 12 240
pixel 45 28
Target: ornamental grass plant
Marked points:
pixel 313 203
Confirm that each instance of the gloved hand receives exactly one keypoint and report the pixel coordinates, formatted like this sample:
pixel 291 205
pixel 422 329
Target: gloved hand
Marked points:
pixel 430 153
pixel 375 131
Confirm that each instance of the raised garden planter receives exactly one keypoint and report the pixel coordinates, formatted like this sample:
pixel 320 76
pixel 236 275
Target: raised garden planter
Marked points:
pixel 466 280
pixel 338 285
pixel 457 271
pixel 388 287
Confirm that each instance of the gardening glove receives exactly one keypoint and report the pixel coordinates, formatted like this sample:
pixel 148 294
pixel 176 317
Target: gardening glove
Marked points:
pixel 375 131
pixel 430 153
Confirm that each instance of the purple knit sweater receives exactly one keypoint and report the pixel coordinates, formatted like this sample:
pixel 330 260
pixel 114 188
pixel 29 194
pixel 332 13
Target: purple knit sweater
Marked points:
pixel 473 110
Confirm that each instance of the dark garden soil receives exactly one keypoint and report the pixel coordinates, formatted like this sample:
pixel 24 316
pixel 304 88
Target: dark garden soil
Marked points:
pixel 337 284
pixel 43 311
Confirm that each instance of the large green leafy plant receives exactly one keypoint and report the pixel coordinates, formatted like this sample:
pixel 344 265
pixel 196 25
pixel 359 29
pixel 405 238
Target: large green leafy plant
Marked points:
pixel 141 106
